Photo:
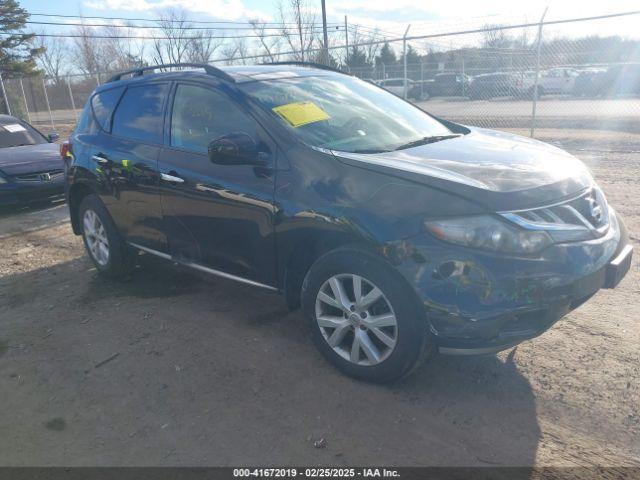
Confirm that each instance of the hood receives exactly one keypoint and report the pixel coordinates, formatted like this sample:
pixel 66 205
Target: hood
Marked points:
pixel 43 157
pixel 500 170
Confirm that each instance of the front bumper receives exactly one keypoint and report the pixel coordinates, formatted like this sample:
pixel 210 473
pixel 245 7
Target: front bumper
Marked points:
pixel 15 193
pixel 479 303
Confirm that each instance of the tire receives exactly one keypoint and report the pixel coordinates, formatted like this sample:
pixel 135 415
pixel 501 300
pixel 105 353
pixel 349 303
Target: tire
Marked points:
pixel 100 232
pixel 407 342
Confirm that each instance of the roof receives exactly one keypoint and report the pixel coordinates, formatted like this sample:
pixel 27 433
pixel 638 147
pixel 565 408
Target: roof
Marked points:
pixel 272 72
pixel 238 74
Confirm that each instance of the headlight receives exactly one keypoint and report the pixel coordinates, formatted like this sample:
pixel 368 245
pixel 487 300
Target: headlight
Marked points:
pixel 488 233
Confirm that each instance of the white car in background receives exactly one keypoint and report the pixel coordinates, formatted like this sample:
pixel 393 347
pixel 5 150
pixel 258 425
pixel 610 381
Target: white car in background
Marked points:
pixel 556 81
pixel 395 85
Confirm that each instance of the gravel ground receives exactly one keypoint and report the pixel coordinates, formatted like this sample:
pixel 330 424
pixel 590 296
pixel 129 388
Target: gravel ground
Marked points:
pixel 173 368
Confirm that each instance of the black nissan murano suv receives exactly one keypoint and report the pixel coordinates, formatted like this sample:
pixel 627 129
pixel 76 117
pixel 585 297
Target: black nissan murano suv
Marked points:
pixel 398 233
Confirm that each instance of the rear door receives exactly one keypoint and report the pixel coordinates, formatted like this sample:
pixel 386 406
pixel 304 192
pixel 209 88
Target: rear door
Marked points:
pixel 217 216
pixel 128 161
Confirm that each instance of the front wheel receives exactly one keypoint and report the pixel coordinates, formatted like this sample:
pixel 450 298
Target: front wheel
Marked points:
pixel 364 319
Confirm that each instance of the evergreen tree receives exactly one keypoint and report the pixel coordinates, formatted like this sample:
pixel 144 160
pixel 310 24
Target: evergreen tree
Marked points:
pixel 412 56
pixel 387 55
pixel 17 56
pixel 357 58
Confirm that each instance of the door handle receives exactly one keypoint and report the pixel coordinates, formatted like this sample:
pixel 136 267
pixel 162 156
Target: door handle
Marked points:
pixel 171 178
pixel 100 159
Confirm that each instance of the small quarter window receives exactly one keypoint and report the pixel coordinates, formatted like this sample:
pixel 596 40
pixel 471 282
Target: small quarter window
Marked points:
pixel 103 104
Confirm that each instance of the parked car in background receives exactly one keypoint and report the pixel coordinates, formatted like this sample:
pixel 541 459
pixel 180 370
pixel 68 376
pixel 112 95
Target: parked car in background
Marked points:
pixel 588 82
pixel 450 85
pixel 490 85
pixel 421 89
pixel 30 165
pixel 398 233
pixel 556 81
pixel 396 85
pixel 620 80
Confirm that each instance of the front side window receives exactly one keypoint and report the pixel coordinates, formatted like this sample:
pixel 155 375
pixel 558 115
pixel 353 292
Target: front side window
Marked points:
pixel 139 115
pixel 201 115
pixel 343 113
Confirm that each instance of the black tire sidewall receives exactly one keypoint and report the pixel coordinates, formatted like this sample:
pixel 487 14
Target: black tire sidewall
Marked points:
pixel 414 340
pixel 119 262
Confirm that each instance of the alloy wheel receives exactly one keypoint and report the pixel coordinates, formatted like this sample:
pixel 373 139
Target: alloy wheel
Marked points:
pixel 96 237
pixel 356 319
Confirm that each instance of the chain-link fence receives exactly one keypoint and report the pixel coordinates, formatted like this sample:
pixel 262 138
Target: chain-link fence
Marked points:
pixel 527 78
pixel 550 77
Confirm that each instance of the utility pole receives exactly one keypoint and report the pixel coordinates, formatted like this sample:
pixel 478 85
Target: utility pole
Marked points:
pixel 346 43
pixel 404 55
pixel 325 49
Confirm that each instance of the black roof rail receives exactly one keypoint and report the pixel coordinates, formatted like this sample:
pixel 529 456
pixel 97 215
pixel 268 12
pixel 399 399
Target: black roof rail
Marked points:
pixel 320 66
pixel 210 69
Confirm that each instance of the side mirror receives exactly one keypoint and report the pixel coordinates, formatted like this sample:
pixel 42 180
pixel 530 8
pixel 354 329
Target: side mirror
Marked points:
pixel 53 136
pixel 236 148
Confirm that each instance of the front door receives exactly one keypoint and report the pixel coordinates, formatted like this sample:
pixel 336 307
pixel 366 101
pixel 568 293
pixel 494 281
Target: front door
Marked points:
pixel 217 216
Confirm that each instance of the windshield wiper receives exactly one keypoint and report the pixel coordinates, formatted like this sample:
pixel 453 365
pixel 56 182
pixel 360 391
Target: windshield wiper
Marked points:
pixel 426 140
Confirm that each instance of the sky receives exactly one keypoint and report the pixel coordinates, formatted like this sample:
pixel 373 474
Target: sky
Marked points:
pixel 390 17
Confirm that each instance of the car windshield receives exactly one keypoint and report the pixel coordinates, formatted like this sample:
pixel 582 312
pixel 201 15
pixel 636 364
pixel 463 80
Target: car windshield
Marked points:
pixel 18 134
pixel 343 113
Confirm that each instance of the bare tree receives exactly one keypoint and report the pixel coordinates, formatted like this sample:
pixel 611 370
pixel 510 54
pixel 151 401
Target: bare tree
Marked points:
pixel 174 45
pixel 88 55
pixel 121 49
pixel 303 18
pixel 53 56
pixel 494 37
pixel 235 51
pixel 360 56
pixel 269 44
pixel 202 46
pixel 371 51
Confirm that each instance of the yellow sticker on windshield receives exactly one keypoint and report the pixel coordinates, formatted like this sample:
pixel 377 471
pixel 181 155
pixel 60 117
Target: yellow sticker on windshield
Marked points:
pixel 301 113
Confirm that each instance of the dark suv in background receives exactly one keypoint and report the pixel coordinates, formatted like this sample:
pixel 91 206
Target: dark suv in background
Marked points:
pixel 400 234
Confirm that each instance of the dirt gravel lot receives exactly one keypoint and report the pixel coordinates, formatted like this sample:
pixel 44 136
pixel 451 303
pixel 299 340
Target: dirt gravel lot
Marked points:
pixel 173 368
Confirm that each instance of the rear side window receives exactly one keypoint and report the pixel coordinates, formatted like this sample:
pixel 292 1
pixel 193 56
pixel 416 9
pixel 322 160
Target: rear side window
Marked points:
pixel 139 115
pixel 103 104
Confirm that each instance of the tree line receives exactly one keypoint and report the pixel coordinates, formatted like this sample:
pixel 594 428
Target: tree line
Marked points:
pixel 296 30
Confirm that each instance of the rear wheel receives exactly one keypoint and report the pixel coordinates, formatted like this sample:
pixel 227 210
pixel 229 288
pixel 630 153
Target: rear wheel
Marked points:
pixel 109 253
pixel 364 319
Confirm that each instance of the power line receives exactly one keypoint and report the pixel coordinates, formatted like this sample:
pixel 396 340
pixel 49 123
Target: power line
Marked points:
pixel 135 37
pixel 210 22
pixel 111 25
pixel 447 34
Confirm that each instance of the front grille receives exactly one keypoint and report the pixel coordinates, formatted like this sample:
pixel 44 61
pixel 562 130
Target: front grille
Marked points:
pixel 47 176
pixel 588 211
